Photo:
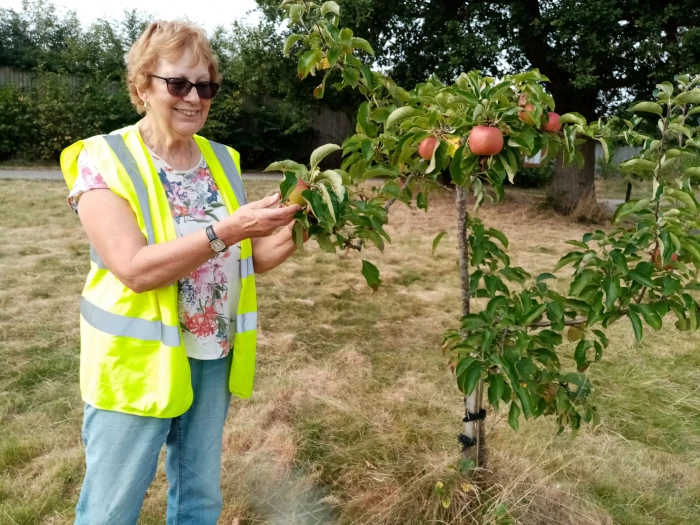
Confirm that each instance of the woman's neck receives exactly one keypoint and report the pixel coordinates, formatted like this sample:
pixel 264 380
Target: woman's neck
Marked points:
pixel 176 150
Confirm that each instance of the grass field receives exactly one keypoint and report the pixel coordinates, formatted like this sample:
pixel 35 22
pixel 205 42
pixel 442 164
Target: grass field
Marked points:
pixel 355 414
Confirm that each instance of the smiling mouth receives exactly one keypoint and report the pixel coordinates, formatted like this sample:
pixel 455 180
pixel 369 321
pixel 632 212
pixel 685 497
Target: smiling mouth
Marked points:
pixel 186 112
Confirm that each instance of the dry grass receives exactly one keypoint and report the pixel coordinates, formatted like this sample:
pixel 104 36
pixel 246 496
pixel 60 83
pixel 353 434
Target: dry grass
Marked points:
pixel 355 416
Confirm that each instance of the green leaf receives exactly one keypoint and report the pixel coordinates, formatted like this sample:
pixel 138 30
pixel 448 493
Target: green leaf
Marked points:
pixel 363 119
pixel 470 378
pixel 298 235
pixel 307 61
pixel 496 390
pixel 603 339
pixel 351 75
pixel 682 196
pixel 321 153
pixel 545 276
pixel 286 165
pixel 671 285
pixel 295 12
pixel 612 292
pixel 381 170
pixel 422 201
pixel 289 43
pixel 288 184
pixel 361 43
pixel 568 259
pixel 651 316
pixel 513 415
pixel 648 107
pixel 401 114
pixel 336 180
pixel 498 235
pixel 371 275
pixel 330 7
pixel 555 313
pixel 584 279
pixel 619 260
pixel 573 118
pixel 688 97
pixel 327 201
pixel 533 314
pixel 580 353
pixel 325 243
pixel 624 210
pixel 636 325
pixel 641 278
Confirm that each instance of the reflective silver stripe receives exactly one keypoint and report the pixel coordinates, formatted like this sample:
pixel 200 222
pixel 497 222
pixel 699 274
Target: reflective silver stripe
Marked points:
pixel 247 267
pixel 96 259
pixel 116 142
pixel 234 178
pixel 246 322
pixel 120 325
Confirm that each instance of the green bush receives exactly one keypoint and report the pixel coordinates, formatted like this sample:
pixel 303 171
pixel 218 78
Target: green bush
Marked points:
pixel 37 123
pixel 535 177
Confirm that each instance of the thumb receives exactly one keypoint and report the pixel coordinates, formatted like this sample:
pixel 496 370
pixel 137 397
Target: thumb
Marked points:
pixel 266 202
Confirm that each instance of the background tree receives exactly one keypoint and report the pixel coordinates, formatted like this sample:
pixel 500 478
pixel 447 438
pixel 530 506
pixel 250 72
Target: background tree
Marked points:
pixel 598 54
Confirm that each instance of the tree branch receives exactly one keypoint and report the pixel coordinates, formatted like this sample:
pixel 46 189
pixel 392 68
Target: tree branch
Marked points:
pixel 405 185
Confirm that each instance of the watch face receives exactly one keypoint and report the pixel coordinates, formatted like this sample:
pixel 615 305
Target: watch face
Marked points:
pixel 217 245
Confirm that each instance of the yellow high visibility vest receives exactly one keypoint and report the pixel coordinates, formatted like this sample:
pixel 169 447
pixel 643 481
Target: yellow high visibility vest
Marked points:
pixel 132 354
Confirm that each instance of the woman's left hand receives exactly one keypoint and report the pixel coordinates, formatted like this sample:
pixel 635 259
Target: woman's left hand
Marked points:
pixel 290 227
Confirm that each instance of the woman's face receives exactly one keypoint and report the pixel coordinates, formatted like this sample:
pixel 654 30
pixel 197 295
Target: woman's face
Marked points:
pixel 186 115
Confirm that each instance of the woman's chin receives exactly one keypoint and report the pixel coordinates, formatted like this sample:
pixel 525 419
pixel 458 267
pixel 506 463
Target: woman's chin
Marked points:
pixel 188 128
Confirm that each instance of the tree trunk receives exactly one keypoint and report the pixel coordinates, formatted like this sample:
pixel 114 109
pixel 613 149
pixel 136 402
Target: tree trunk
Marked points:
pixel 573 188
pixel 475 442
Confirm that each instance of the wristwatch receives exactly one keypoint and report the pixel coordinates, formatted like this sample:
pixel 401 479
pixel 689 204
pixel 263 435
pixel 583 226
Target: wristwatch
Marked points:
pixel 216 244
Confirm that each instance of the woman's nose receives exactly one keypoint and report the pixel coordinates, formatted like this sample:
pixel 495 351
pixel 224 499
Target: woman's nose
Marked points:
pixel 192 97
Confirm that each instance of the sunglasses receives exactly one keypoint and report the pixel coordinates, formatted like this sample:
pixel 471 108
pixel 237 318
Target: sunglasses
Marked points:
pixel 181 87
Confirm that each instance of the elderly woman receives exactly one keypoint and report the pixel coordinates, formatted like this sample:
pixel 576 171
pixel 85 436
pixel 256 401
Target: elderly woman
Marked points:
pixel 168 313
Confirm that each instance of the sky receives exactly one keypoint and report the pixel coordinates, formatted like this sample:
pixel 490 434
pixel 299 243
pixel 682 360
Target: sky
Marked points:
pixel 214 14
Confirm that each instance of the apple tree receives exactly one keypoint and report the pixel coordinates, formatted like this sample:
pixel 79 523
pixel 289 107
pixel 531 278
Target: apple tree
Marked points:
pixel 477 131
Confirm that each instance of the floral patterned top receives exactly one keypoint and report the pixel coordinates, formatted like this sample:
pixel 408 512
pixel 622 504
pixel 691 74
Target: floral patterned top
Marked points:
pixel 208 297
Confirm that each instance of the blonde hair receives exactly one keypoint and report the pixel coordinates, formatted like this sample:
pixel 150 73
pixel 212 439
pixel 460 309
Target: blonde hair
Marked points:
pixel 166 40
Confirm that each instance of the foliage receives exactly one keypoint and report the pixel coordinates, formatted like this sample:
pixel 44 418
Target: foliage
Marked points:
pixel 61 54
pixel 570 42
pixel 640 272
pixel 531 177
pixel 36 124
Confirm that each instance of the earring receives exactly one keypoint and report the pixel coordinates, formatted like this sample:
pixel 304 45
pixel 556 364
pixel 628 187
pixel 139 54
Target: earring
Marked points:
pixel 147 106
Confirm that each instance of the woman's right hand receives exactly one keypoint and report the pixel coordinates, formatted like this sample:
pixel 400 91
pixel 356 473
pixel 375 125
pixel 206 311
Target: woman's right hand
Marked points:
pixel 256 219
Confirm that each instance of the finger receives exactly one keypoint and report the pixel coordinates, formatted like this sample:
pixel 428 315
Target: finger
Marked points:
pixel 266 202
pixel 287 211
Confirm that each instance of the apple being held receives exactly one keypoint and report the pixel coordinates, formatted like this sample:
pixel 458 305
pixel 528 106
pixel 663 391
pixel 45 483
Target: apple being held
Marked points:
pixel 553 124
pixel 295 197
pixel 526 116
pixel 426 148
pixel 486 140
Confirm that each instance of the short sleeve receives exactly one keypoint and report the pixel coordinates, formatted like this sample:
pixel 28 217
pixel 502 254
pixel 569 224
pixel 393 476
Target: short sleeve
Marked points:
pixel 88 179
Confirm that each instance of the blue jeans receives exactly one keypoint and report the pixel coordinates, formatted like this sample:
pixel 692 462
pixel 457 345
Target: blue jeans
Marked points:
pixel 121 454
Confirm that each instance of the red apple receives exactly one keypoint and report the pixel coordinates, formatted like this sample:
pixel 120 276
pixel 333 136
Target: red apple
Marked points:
pixel 426 148
pixel 525 116
pixel 553 125
pixel 295 197
pixel 485 140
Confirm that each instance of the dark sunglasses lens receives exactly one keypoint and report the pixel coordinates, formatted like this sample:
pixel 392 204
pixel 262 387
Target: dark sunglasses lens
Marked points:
pixel 207 90
pixel 179 87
